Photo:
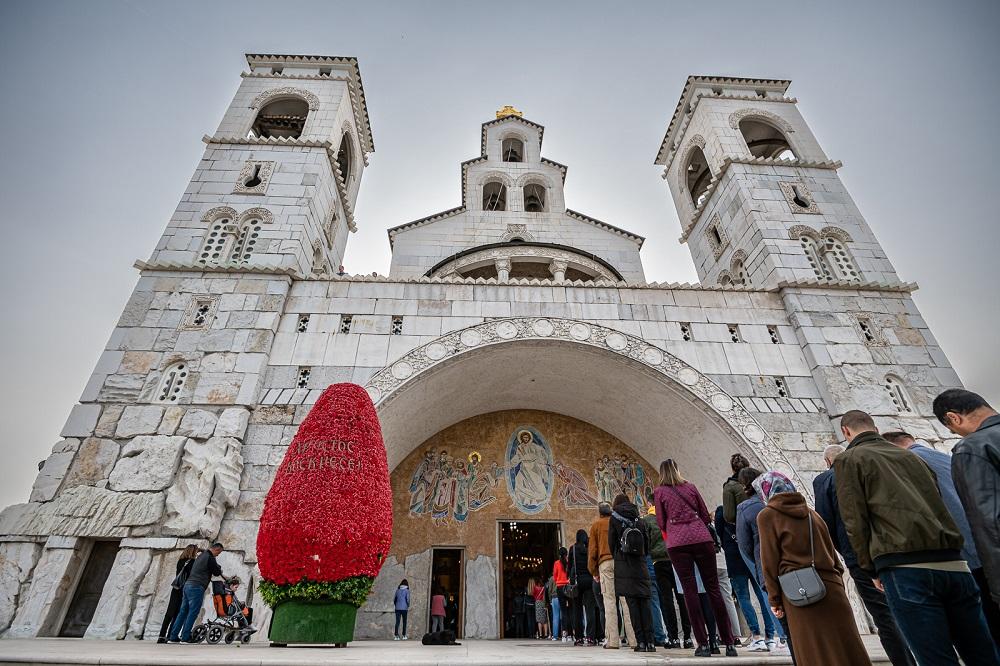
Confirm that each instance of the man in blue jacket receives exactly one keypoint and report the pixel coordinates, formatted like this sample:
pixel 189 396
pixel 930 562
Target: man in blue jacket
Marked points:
pixel 825 490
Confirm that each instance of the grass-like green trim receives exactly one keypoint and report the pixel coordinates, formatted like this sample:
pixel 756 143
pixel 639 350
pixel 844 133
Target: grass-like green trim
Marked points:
pixel 353 591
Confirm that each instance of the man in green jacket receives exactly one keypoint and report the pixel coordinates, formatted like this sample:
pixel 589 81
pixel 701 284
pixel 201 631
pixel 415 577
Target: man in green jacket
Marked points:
pixel 906 540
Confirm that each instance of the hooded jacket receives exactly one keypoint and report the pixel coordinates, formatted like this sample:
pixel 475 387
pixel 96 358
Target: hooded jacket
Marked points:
pixel 631 573
pixel 891 507
pixel 732 494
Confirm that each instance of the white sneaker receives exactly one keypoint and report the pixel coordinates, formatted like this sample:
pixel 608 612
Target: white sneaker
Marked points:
pixel 395 638
pixel 780 649
pixel 758 645
pixel 770 644
pixel 405 637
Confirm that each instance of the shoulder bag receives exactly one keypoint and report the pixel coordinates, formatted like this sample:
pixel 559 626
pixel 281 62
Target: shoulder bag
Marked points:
pixel 181 578
pixel 711 528
pixel 572 589
pixel 803 587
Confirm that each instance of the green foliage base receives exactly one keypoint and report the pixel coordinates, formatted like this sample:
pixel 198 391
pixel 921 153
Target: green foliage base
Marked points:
pixel 312 622
pixel 352 591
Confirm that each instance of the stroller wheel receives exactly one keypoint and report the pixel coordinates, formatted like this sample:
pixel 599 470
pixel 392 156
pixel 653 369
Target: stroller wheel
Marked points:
pixel 245 638
pixel 230 637
pixel 214 634
pixel 198 633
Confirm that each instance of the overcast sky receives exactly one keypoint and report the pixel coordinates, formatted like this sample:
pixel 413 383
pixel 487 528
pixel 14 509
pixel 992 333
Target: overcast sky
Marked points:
pixel 104 106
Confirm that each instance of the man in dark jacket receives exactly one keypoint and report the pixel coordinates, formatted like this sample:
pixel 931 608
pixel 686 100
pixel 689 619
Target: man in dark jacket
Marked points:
pixel 825 490
pixel 204 567
pixel 906 540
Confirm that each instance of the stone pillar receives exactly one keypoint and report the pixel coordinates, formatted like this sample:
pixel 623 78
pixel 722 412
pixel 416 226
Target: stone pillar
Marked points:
pixel 111 618
pixel 503 269
pixel 17 561
pixel 52 583
pixel 558 270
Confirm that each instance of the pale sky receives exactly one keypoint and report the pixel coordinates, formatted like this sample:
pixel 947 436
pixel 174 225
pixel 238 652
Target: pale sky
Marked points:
pixel 105 103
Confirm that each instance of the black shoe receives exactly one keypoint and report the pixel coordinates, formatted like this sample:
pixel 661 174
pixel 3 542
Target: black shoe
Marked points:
pixel 688 644
pixel 639 648
pixel 161 639
pixel 703 651
pixel 714 647
pixel 673 644
pixel 651 648
pixel 731 651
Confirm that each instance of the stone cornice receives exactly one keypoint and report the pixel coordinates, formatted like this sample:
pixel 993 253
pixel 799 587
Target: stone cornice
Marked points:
pixel 758 161
pixel 775 85
pixel 392 231
pixel 604 225
pixel 900 287
pixel 256 269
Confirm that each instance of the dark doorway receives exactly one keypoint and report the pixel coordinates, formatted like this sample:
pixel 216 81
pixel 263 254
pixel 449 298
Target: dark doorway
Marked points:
pixel 447 578
pixel 88 591
pixel 527 550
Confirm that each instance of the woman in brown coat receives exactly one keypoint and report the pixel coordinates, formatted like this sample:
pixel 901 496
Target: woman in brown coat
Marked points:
pixel 824 632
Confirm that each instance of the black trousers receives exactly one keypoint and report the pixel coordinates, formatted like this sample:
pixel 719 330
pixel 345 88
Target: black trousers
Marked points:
pixel 990 608
pixel 642 619
pixel 598 610
pixel 566 614
pixel 668 591
pixel 173 605
pixel 888 633
pixel 584 604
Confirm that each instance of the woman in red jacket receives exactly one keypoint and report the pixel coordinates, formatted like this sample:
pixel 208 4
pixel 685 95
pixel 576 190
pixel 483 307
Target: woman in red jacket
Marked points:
pixel 560 571
pixel 682 515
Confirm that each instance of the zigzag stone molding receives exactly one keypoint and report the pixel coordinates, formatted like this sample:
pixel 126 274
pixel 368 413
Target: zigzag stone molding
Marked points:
pixel 286 91
pixel 517 251
pixel 748 434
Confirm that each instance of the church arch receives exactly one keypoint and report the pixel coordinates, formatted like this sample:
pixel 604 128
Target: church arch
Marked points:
pixel 696 174
pixel 617 382
pixel 282 113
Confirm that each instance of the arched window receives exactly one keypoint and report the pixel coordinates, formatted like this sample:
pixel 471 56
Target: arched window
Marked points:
pixel 534 198
pixel 219 242
pixel 282 118
pixel 739 273
pixel 839 262
pixel 816 260
pixel 765 140
pixel 512 150
pixel 172 382
pixel 245 242
pixel 697 176
pixel 725 279
pixel 494 196
pixel 898 394
pixel 345 158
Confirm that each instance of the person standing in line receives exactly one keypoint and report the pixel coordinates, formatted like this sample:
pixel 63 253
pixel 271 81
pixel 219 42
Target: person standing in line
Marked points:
pixel 668 587
pixel 658 553
pixel 598 607
pixel 583 604
pixel 722 569
pixel 205 566
pixel 602 564
pixel 681 513
pixel 553 595
pixel 629 546
pixel 401 602
pixel 537 591
pixel 825 490
pixel 906 540
pixel 975 466
pixel 748 540
pixel 560 571
pixel 437 611
pixel 940 464
pixel 741 580
pixel 184 564
pixel 732 490
pixel 794 537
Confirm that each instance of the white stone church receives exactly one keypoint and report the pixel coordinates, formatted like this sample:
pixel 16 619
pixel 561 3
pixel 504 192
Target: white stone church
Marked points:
pixel 510 308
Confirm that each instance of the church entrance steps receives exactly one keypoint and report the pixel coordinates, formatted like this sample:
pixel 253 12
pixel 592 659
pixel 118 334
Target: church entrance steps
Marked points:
pixel 75 652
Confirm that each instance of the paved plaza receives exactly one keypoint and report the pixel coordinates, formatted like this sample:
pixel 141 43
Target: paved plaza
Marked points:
pixel 67 652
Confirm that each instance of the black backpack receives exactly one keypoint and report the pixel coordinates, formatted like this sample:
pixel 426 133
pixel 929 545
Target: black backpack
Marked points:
pixel 632 541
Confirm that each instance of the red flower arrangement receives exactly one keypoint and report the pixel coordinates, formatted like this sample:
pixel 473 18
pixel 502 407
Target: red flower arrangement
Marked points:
pixel 328 516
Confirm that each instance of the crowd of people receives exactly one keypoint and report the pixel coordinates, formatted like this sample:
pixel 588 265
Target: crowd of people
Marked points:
pixel 916 529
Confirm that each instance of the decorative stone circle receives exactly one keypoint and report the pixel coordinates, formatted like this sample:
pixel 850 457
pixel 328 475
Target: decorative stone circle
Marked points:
pixel 436 351
pixel 402 370
pixel 506 330
pixel 722 402
pixel 471 337
pixel 754 433
pixel 688 376
pixel 652 356
pixel 374 393
pixel 579 331
pixel 616 341
pixel 543 327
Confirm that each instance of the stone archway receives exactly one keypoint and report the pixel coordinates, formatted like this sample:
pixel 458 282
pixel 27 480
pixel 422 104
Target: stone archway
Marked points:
pixel 643 395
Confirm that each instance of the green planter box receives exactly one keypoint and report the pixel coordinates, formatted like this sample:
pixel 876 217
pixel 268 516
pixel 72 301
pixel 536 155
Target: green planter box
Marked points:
pixel 312 622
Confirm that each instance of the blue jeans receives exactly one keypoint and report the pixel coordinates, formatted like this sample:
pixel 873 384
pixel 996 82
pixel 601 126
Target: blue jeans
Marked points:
pixel 400 615
pixel 555 617
pixel 191 597
pixel 741 587
pixel 936 610
pixel 765 607
pixel 659 635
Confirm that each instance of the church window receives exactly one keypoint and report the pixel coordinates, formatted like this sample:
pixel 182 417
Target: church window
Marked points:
pixel 345 158
pixel 200 313
pixel 172 382
pixel 898 394
pixel 717 239
pixel 779 384
pixel 219 242
pixel 686 332
pixel 838 260
pixel 303 378
pixel 816 260
pixel 773 332
pixel 697 176
pixel 512 150
pixel 734 332
pixel 494 196
pixel 865 326
pixel 280 119
pixel 303 324
pixel 245 242
pixel 725 279
pixel 534 198
pixel 739 273
pixel 396 327
pixel 345 323
pixel 765 140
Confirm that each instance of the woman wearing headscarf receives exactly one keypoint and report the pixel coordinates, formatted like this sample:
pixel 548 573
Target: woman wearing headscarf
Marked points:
pixel 825 632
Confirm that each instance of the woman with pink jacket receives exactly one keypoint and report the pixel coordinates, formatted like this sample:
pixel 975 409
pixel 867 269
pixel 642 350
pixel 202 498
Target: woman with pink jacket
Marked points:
pixel 683 517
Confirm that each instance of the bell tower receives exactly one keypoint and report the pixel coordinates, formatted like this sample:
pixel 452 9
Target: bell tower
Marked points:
pixel 279 179
pixel 759 202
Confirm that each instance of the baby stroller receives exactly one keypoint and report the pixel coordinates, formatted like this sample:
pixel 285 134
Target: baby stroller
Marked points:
pixel 233 621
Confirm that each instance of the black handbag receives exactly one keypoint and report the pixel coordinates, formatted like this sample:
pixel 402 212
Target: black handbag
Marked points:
pixel 178 582
pixel 572 590
pixel 803 587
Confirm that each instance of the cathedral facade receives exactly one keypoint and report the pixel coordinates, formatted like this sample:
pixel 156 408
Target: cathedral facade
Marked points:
pixel 522 367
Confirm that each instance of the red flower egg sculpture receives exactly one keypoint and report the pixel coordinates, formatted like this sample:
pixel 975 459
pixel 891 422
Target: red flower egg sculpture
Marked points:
pixel 328 514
